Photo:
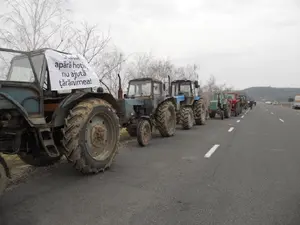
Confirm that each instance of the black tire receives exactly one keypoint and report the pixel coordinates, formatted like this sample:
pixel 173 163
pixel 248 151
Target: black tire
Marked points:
pixel 212 114
pixel 3 176
pixel 199 113
pixel 86 119
pixel 40 160
pixel 226 112
pixel 166 125
pixel 132 130
pixel 187 118
pixel 144 133
pixel 178 117
pixel 222 115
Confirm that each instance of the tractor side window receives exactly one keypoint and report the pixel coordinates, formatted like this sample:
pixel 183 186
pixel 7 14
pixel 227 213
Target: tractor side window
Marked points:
pixel 156 89
pixel 21 70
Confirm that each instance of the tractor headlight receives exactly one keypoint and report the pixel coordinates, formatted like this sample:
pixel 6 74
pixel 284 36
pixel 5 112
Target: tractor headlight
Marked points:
pixel 132 114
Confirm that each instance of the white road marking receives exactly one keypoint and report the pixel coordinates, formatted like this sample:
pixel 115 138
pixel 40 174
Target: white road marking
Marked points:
pixel 231 129
pixel 211 151
pixel 272 113
pixel 243 116
pixel 238 121
pixel 281 120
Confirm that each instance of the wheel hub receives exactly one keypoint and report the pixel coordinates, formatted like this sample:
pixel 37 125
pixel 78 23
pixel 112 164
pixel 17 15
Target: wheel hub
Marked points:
pixel 98 135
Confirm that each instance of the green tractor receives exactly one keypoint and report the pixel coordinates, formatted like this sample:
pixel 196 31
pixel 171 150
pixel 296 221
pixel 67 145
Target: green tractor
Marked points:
pixel 190 108
pixel 220 105
pixel 49 107
pixel 145 107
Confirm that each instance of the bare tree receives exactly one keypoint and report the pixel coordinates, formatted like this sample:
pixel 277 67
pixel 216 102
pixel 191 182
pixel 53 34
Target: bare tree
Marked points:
pixel 33 24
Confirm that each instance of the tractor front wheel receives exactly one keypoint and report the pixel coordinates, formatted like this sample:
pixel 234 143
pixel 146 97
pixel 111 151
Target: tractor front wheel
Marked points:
pixel 91 135
pixel 212 114
pixel 144 132
pixel 187 118
pixel 222 115
pixel 227 112
pixel 166 119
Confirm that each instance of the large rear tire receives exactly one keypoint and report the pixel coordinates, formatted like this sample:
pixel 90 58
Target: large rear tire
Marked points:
pixel 91 135
pixel 3 176
pixel 200 113
pixel 166 119
pixel 187 118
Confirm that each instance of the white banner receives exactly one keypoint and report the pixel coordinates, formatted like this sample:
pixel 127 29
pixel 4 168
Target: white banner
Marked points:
pixel 69 72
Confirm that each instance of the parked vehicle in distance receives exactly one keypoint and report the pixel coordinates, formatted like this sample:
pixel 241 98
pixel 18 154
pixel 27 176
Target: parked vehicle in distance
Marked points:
pixel 296 102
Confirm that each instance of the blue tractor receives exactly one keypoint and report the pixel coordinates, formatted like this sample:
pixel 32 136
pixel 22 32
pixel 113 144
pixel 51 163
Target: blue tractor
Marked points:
pixel 190 106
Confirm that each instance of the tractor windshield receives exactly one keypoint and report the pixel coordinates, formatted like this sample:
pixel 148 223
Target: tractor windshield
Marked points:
pixel 183 88
pixel 139 88
pixel 231 96
pixel 21 70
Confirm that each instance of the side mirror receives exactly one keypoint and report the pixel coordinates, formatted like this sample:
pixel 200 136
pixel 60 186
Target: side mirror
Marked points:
pixel 125 95
pixel 196 84
pixel 164 87
pixel 100 90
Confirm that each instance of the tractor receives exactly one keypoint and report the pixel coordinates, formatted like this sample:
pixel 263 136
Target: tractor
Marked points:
pixel 235 101
pixel 145 107
pixel 190 107
pixel 220 105
pixel 49 107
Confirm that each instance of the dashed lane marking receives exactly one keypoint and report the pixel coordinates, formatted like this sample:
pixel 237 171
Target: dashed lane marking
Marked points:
pixel 211 151
pixel 242 116
pixel 272 113
pixel 238 121
pixel 231 129
pixel 281 120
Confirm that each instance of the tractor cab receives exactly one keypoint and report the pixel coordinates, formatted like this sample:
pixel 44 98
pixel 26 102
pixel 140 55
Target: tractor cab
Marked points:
pixel 144 88
pixel 185 91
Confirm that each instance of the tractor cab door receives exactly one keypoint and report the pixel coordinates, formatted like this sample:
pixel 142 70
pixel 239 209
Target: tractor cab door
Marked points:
pixel 21 87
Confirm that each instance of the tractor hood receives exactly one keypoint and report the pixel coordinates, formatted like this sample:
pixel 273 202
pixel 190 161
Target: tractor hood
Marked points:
pixel 126 108
pixel 213 105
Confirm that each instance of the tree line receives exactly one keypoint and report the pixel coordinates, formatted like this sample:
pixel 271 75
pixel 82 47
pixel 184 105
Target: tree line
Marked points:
pixel 35 24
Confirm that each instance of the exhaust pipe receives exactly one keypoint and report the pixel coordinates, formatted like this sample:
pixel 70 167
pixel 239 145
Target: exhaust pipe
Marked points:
pixel 169 84
pixel 120 91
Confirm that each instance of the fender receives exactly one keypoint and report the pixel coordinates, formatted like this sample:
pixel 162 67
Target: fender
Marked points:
pixel 61 112
pixel 144 117
pixel 172 99
pixel 2 162
pixel 18 106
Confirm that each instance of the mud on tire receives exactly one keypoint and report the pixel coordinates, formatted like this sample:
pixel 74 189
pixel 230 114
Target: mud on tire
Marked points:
pixel 3 176
pixel 165 118
pixel 187 118
pixel 199 113
pixel 86 143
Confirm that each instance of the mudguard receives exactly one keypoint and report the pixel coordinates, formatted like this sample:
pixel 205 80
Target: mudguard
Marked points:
pixel 17 106
pixel 59 115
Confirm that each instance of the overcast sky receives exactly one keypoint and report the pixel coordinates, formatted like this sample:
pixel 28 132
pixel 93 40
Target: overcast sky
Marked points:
pixel 241 42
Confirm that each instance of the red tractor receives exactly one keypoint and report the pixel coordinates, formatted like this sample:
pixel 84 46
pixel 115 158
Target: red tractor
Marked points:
pixel 235 101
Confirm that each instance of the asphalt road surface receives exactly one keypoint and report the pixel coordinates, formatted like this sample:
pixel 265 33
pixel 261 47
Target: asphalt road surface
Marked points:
pixel 239 171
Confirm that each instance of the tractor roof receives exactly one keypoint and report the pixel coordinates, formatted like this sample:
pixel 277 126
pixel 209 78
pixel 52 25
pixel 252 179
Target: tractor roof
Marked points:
pixel 181 81
pixel 146 79
pixel 33 52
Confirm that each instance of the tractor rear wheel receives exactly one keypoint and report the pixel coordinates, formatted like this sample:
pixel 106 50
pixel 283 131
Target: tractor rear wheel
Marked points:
pixel 166 119
pixel 200 112
pixel 227 112
pixel 144 132
pixel 3 176
pixel 187 118
pixel 91 135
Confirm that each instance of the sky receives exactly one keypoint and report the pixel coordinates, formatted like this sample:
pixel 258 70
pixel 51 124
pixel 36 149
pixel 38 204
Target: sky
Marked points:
pixel 241 42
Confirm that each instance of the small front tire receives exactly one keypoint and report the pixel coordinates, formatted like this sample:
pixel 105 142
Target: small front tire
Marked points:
pixel 144 132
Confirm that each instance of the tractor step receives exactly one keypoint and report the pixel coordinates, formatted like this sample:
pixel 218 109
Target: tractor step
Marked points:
pixel 47 141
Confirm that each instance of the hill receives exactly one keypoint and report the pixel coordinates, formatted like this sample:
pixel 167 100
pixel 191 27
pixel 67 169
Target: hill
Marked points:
pixel 272 93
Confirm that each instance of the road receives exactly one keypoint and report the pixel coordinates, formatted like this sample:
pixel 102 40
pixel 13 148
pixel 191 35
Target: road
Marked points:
pixel 239 171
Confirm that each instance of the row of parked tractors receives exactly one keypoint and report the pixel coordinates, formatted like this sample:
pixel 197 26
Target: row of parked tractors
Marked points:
pixel 41 126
